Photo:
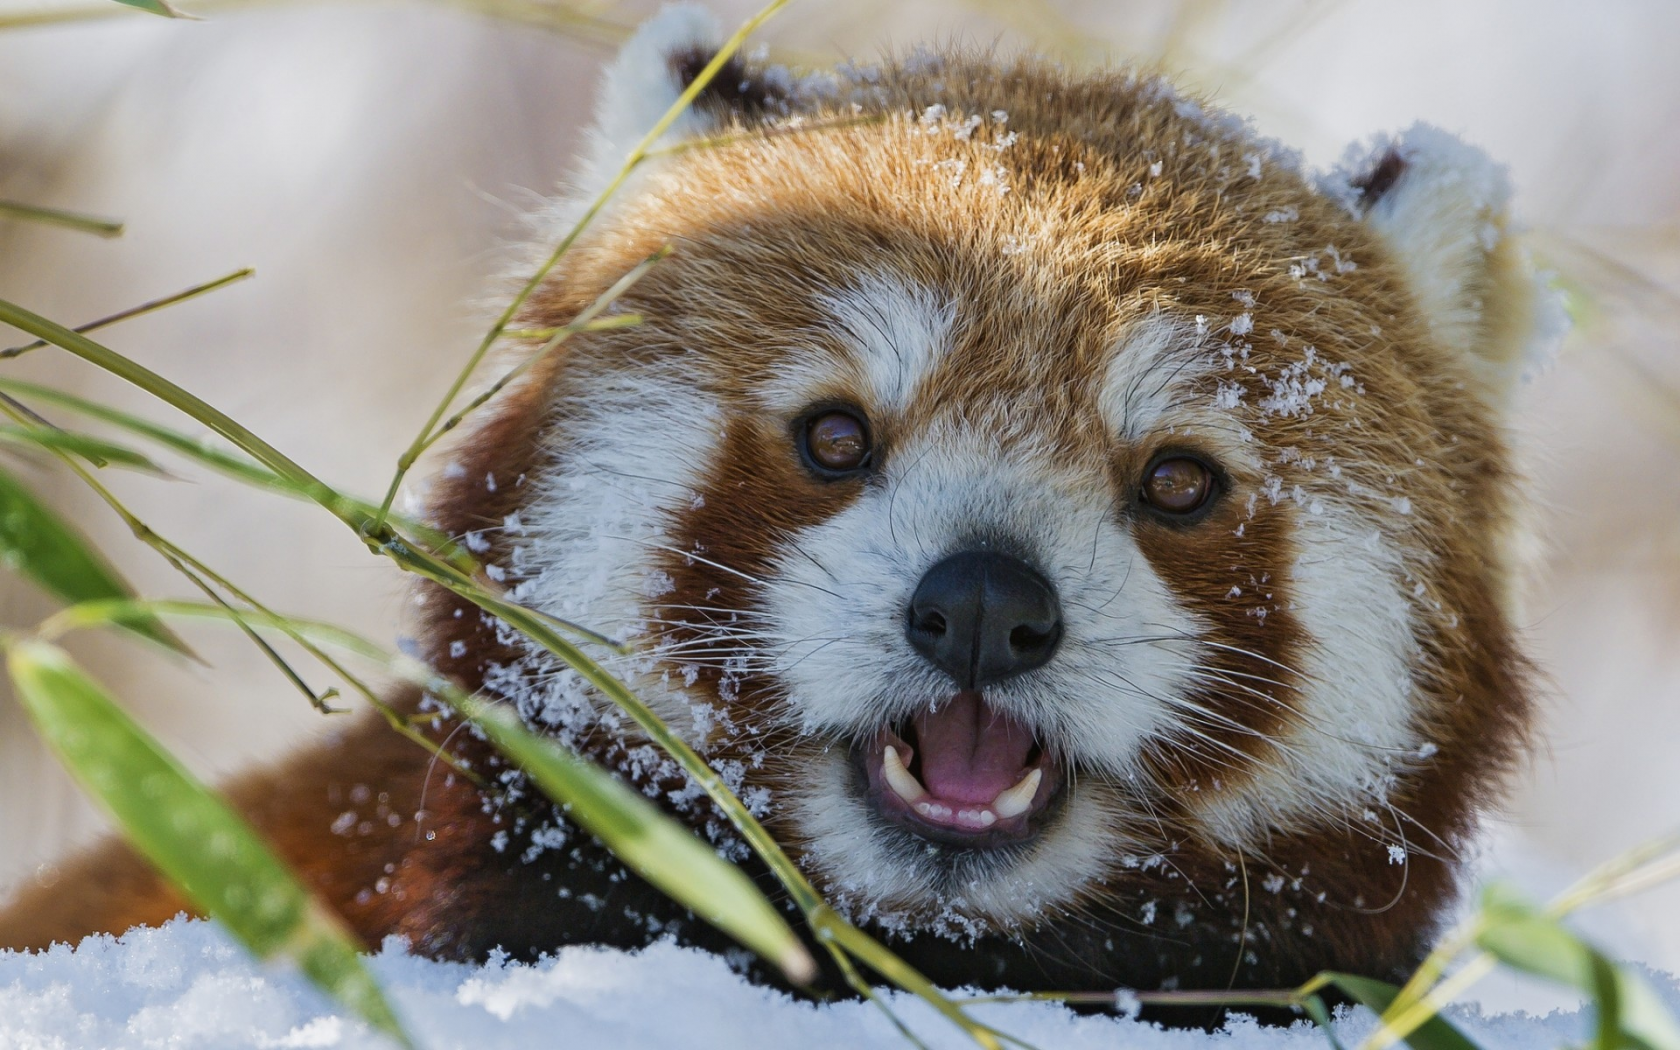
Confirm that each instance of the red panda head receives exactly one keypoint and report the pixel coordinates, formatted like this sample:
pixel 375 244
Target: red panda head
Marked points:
pixel 1036 496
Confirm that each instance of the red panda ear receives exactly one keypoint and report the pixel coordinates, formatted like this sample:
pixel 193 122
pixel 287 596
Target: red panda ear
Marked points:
pixel 1441 207
pixel 656 65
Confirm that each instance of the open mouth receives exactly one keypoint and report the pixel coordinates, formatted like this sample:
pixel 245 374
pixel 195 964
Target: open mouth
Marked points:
pixel 961 774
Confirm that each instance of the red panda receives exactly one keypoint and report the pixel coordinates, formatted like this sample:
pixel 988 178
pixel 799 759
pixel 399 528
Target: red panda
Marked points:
pixel 1078 533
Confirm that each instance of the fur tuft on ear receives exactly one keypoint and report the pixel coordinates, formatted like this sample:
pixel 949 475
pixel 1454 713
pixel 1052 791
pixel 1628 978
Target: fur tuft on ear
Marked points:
pixel 1441 207
pixel 656 65
pixel 640 85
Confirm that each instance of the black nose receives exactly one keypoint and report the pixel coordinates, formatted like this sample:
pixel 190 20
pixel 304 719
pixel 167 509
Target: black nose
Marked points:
pixel 982 617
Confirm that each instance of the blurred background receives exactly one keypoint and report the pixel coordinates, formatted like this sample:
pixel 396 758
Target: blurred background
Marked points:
pixel 376 163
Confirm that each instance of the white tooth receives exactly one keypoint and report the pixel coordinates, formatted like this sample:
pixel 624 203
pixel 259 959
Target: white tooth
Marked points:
pixel 1018 799
pixel 898 778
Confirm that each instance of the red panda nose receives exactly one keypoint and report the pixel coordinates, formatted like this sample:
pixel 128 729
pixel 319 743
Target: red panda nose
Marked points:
pixel 982 617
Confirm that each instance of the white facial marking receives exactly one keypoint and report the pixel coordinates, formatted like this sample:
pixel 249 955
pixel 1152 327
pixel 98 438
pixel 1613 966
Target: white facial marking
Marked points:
pixel 1356 691
pixel 594 529
pixel 889 333
pixel 1155 388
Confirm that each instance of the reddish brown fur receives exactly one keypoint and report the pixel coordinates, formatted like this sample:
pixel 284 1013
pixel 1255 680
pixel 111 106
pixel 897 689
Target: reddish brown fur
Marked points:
pixel 755 222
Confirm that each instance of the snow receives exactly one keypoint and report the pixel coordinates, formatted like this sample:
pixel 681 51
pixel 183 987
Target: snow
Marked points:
pixel 186 986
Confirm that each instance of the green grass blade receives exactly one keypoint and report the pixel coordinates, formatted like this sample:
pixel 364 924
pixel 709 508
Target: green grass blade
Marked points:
pixel 156 7
pixel 95 450
pixel 58 217
pixel 230 464
pixel 660 849
pixel 189 833
pixel 1437 1033
pixel 235 466
pixel 138 311
pixel 174 395
pixel 40 545
pixel 1525 938
pixel 638 153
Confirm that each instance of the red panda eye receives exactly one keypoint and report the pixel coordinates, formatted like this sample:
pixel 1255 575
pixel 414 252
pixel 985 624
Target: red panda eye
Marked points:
pixel 835 441
pixel 1178 485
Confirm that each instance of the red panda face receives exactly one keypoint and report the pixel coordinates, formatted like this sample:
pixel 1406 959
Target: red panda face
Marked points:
pixel 1035 497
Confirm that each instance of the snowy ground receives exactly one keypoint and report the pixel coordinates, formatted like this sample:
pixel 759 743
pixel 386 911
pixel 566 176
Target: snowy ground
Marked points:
pixel 185 987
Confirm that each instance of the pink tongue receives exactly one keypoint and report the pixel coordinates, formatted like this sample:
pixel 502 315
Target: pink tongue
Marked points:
pixel 970 752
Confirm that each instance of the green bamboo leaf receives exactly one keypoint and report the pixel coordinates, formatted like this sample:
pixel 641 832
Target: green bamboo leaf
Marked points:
pixel 1437 1033
pixel 1525 938
pixel 189 833
pixel 95 450
pixel 1607 995
pixel 137 311
pixel 656 846
pixel 39 544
